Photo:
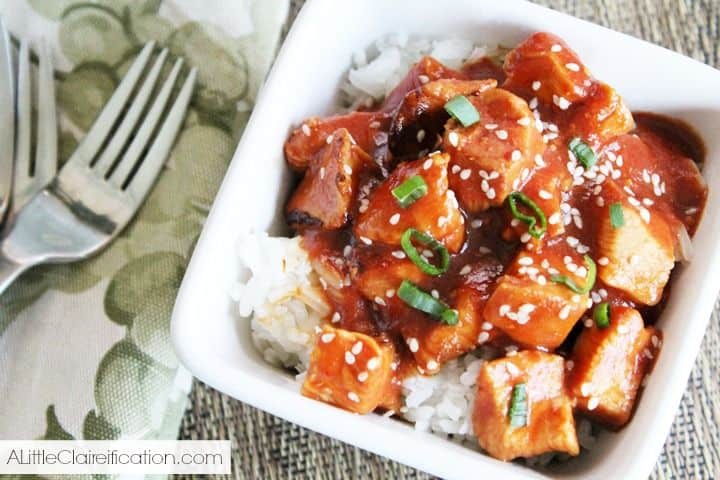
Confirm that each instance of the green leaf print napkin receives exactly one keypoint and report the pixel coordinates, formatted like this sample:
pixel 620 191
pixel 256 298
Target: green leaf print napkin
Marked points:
pixel 85 348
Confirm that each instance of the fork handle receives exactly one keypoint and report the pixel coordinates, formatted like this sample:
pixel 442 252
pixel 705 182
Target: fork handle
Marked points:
pixel 9 271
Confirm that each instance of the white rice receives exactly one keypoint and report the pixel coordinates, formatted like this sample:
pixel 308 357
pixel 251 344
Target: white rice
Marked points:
pixel 282 296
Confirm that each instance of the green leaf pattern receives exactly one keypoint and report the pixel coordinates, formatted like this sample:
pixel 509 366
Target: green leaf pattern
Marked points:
pixel 136 382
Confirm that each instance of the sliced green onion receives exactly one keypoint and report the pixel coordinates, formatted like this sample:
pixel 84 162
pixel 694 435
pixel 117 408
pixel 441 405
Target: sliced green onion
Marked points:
pixel 417 258
pixel 519 406
pixel 617 219
pixel 531 221
pixel 602 315
pixel 423 301
pixel 461 109
pixel 582 152
pixel 570 283
pixel 410 191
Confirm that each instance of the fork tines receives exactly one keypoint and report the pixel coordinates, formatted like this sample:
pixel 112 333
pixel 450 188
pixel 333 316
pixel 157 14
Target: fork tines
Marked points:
pixel 118 147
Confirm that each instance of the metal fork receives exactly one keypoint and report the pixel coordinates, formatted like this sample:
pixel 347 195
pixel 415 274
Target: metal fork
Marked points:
pixel 7 120
pixel 104 182
pixel 32 175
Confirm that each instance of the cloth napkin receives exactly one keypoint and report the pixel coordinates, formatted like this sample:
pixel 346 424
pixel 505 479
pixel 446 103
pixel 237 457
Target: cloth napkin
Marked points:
pixel 85 348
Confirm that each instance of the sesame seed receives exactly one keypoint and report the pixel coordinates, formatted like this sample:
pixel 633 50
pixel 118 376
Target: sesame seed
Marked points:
pixel 420 135
pixel 489 326
pixel 329 139
pixel 380 301
pixel 501 134
pixel 533 104
pixel 374 124
pixel 562 102
pixel 573 67
pixel 353 397
pixel 305 129
pixel 524 121
pixel 465 174
pixel 366 240
pixel 423 78
pixel 349 358
pixel 435 293
pixel 593 403
pixel 588 323
pixel 394 219
pixel 427 164
pixel 585 389
pixel 453 139
pixel 465 270
pixel 539 160
pixel 455 168
pixel 399 254
pixel 525 237
pixel 545 195
pixel 327 337
pixel 357 348
pixel 483 337
pixel 477 223
pixel 432 365
pixel 413 344
pixel 525 261
pixel 373 363
pixel 564 312
pixel 491 126
pixel 536 85
pixel 516 155
pixel 503 310
pixel 600 201
pixel 603 261
pixel 335 318
pixel 554 218
pixel 645 214
pixel 491 193
pixel 556 48
pixel 362 376
pixel 322 173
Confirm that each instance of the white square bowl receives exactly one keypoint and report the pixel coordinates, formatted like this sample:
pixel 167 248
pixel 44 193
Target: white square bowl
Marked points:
pixel 215 344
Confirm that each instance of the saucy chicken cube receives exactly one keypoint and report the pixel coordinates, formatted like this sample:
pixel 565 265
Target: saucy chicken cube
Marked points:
pixel 326 193
pixel 490 156
pixel 307 140
pixel 422 111
pixel 601 116
pixel 547 424
pixel 609 364
pixel 432 342
pixel 636 257
pixel 545 67
pixel 427 69
pixel 350 370
pixel 436 213
pixel 532 309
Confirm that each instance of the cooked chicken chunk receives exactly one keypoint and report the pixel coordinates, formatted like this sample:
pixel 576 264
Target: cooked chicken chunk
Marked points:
pixel 609 364
pixel 350 370
pixel 325 195
pixel 600 116
pixel 489 157
pixel 532 309
pixel 549 425
pixel 433 343
pixel 422 111
pixel 636 257
pixel 437 213
pixel 307 140
pixel 427 69
pixel 545 67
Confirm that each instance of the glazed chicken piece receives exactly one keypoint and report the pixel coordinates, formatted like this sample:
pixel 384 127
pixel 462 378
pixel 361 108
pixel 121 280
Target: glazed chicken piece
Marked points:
pixel 380 277
pixel 637 256
pixel 307 140
pixel 549 425
pixel 433 343
pixel 437 213
pixel 600 116
pixel 609 364
pixel 421 115
pixel 532 309
pixel 427 69
pixel 350 370
pixel 545 67
pixel 326 193
pixel 490 156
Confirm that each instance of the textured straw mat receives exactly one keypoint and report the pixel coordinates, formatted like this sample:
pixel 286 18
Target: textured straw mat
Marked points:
pixel 265 446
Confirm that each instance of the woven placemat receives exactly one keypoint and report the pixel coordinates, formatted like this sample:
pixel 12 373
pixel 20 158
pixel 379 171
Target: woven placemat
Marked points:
pixel 266 447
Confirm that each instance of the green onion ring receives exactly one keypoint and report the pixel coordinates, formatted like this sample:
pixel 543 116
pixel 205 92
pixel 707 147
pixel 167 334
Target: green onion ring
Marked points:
pixel 532 222
pixel 423 301
pixel 570 283
pixel 418 259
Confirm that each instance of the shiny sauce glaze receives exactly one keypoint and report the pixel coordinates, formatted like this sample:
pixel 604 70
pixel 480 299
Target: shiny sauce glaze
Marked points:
pixel 650 163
